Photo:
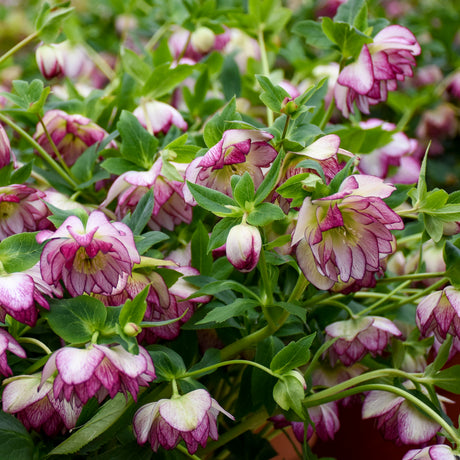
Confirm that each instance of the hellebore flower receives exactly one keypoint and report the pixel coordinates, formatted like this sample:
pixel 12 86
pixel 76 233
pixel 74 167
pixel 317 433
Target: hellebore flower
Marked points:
pixel 192 417
pixel 169 208
pixel 21 210
pixel 380 65
pixel 72 134
pixel 243 247
pixel 238 151
pixel 49 60
pixel 36 407
pixel 157 117
pixel 7 342
pixel 398 419
pixel 342 238
pixel 97 257
pixel 436 452
pixel 359 336
pixel 439 313
pixel 99 370
pixel 397 153
pixel 5 148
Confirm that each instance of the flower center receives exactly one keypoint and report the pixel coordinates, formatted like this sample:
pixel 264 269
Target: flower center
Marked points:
pixel 88 265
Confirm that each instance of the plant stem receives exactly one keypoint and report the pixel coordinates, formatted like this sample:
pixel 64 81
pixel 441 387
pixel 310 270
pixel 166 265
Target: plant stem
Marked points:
pixel 184 450
pixel 228 363
pixel 412 276
pixel 327 115
pixel 450 430
pixel 250 423
pixel 40 150
pixel 36 342
pixel 384 298
pixel 265 67
pixel 18 46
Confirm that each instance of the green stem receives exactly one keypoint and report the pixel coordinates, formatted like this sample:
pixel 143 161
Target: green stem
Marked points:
pixel 265 67
pixel 250 423
pixel 36 342
pixel 286 126
pixel 450 430
pixel 341 305
pixel 414 297
pixel 156 37
pixel 228 363
pixel 184 450
pixel 412 277
pixel 327 115
pixel 377 374
pixel 299 288
pixel 322 349
pixel 18 46
pixel 40 150
pixel 384 298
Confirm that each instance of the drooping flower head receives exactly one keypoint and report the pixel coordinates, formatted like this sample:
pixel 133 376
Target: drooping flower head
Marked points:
pixel 398 419
pixel 97 257
pixel 342 238
pixel 439 313
pixel 191 417
pixel 380 65
pixel 7 342
pixel 360 336
pixel 156 117
pixel 238 151
pixel 21 210
pixel 99 370
pixel 243 247
pixel 36 407
pixel 169 208
pixel 436 452
pixel 72 134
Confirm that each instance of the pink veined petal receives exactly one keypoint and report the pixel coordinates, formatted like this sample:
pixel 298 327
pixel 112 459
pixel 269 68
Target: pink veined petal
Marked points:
pixel 378 403
pixel 77 365
pixel 144 419
pixel 309 267
pixel 413 426
pixel 359 75
pixel 323 148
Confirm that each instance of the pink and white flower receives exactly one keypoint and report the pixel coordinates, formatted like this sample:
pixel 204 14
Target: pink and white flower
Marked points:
pixel 5 149
pixel 243 247
pixel 380 65
pixel 22 210
pixel 398 419
pixel 343 237
pixel 98 370
pixel 436 452
pixel 36 407
pixel 169 208
pixel 158 117
pixel 439 313
pixel 191 417
pixel 359 336
pixel 72 134
pixel 94 258
pixel 7 342
pixel 239 151
pixel 50 60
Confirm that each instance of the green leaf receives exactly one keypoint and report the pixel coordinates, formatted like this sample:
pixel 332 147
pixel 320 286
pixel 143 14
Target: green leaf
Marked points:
pixel 60 215
pixel 434 227
pixel 147 240
pixel 168 364
pixel 289 393
pixel 50 20
pixel 448 379
pixel 399 196
pixel 215 287
pixel 313 34
pixel 211 357
pixel 270 180
pixel 293 355
pixel 210 199
pixel 452 260
pixel 20 252
pixel 76 320
pixel 216 126
pixel 30 96
pixel 201 259
pixel 272 96
pixel 244 190
pixel 135 65
pixel 133 311
pixel 142 214
pixel 109 413
pixel 119 166
pixel 138 145
pixel 220 232
pixel 16 442
pixel 341 176
pixel 164 78
pixel 237 308
pixel 353 12
pixel 230 79
pixel 265 213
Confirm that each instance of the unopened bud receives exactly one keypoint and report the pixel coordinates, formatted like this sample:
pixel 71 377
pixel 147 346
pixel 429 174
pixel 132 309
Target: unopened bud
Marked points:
pixel 49 61
pixel 131 329
pixel 243 247
pixel 288 106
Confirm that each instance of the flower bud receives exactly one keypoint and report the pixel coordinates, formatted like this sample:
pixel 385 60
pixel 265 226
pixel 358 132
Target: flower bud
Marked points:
pixel 203 39
pixel 243 247
pixel 5 148
pixel 49 61
pixel 131 329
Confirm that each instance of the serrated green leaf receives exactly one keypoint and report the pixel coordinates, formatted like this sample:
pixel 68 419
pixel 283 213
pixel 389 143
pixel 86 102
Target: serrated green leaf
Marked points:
pixel 353 12
pixel 313 34
pixel 272 96
pixel 265 213
pixel 210 199
pixel 293 355
pixel 244 190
